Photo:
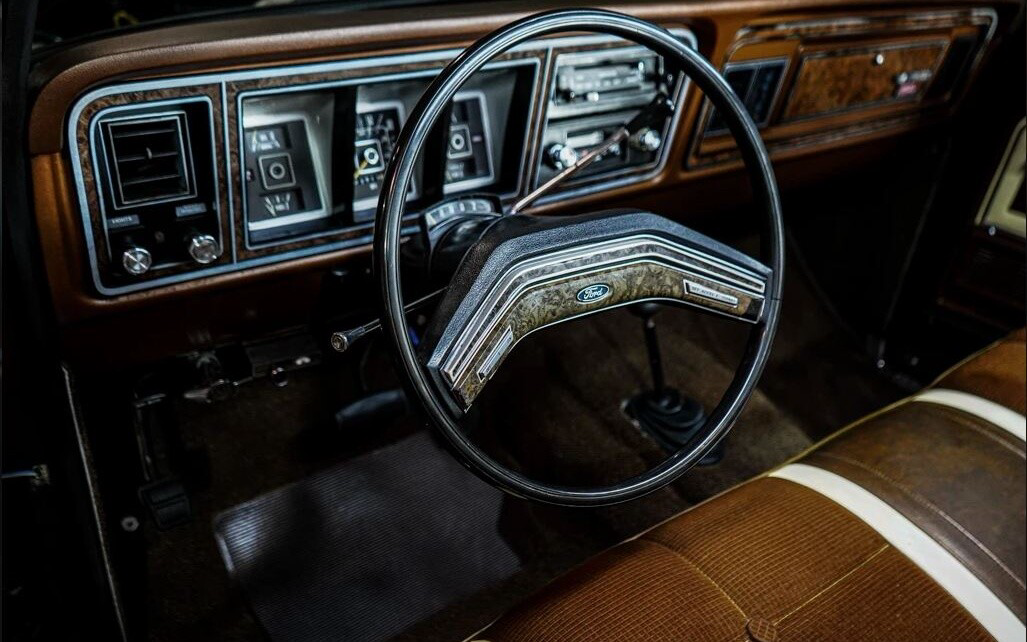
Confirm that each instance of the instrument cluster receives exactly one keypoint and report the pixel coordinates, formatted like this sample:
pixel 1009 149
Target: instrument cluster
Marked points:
pixel 314 159
pixel 200 175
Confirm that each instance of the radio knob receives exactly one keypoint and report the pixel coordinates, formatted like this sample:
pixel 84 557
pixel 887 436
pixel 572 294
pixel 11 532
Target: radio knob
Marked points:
pixel 204 248
pixel 561 156
pixel 136 260
pixel 647 140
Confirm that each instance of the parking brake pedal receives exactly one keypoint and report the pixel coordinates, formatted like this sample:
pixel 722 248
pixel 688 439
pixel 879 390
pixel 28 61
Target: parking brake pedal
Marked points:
pixel 374 409
pixel 161 453
pixel 167 502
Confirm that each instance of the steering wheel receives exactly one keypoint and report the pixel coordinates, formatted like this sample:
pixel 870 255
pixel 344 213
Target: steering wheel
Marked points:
pixel 527 272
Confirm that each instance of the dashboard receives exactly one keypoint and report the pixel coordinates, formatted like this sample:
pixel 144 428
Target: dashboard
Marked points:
pixel 188 177
pixel 230 165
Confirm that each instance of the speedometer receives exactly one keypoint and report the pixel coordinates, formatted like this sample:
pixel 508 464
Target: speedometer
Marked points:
pixel 377 127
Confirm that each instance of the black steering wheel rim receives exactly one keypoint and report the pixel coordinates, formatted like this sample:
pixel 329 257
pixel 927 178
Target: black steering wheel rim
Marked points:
pixel 388 237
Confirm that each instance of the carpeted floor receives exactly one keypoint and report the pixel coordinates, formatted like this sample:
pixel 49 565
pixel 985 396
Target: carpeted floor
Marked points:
pixel 369 547
pixel 554 411
pixel 263 439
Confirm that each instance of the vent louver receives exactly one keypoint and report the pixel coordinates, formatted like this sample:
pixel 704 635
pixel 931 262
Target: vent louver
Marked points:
pixel 149 159
pixel 756 83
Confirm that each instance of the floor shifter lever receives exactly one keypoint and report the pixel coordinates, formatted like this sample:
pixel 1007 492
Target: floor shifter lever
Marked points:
pixel 669 417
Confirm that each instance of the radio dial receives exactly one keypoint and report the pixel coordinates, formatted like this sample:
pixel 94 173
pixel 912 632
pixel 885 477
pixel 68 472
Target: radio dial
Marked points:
pixel 561 156
pixel 647 140
pixel 204 249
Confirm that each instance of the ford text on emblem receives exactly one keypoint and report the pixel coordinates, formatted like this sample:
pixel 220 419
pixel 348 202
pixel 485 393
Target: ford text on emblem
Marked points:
pixel 593 293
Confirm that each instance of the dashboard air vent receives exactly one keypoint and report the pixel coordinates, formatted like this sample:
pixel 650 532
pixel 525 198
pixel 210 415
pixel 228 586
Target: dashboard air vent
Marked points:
pixel 756 83
pixel 149 159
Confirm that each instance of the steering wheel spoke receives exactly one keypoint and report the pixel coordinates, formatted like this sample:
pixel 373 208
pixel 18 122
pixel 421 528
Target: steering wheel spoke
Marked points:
pixel 532 273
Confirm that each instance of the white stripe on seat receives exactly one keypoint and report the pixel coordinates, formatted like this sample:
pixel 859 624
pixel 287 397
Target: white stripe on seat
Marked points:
pixel 1006 419
pixel 915 544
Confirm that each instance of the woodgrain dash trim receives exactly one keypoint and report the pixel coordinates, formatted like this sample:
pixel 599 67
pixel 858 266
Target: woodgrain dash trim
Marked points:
pixel 800 36
pixel 847 79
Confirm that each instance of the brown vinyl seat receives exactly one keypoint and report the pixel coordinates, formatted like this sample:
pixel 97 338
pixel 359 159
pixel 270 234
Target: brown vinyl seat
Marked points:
pixel 907 525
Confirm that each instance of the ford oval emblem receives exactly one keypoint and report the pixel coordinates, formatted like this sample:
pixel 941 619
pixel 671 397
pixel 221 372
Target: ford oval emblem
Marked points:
pixel 593 293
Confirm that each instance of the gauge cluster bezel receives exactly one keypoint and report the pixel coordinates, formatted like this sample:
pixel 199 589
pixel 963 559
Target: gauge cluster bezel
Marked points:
pixel 352 208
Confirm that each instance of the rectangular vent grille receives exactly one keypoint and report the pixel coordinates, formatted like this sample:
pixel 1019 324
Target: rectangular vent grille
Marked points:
pixel 149 160
pixel 756 84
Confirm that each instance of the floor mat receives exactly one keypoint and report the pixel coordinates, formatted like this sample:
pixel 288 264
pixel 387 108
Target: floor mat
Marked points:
pixel 365 549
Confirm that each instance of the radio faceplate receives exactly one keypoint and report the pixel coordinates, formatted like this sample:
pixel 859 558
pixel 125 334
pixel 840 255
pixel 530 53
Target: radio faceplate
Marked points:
pixel 594 82
pixel 594 93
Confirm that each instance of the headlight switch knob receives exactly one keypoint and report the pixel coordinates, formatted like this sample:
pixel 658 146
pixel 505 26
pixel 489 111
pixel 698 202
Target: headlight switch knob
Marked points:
pixel 136 260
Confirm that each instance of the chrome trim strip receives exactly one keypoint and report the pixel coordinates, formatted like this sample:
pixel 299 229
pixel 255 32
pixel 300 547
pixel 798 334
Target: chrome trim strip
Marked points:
pixel 540 103
pixel 869 22
pixel 228 169
pixel 498 352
